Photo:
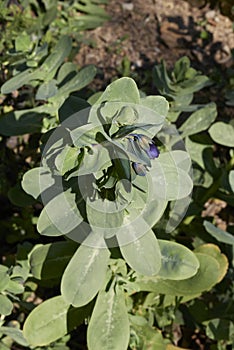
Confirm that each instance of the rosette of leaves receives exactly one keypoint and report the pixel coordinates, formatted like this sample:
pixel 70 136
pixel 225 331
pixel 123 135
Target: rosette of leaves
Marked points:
pixel 104 185
pixel 46 78
pixel 179 85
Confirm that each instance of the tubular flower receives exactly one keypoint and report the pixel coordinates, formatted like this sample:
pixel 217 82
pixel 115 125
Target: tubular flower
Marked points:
pixel 144 148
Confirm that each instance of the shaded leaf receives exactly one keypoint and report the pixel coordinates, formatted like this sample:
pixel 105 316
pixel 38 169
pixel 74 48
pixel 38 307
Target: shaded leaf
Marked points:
pixel 50 260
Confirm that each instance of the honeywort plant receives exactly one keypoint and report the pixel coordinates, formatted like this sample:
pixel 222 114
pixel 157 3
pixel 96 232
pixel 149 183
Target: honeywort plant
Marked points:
pixel 107 174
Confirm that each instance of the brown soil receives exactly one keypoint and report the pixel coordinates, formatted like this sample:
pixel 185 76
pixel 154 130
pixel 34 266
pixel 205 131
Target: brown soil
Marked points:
pixel 141 33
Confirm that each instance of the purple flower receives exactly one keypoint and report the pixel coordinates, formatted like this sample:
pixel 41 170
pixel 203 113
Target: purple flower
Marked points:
pixel 139 169
pixel 144 147
pixel 153 152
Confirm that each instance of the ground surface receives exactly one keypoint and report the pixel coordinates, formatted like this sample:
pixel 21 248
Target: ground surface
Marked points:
pixel 141 33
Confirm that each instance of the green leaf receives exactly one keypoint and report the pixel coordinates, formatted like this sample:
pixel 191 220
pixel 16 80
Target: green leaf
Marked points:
pixel 157 103
pixel 42 327
pixel 66 72
pixel 71 105
pixel 78 82
pixel 61 50
pixel 178 262
pixel 219 329
pixel 22 122
pixel 4 277
pixel 36 181
pixel 168 179
pixel 220 235
pixel 214 251
pixel 94 160
pixel 85 22
pixel 231 179
pixel 197 150
pixel 18 197
pixel 6 305
pixel 84 275
pixel 207 276
pixel 60 215
pixel 47 90
pixel 50 260
pixel 104 218
pixel 23 42
pixel 18 80
pixel 91 7
pixel 222 133
pixel 121 90
pixel 152 338
pixel 67 159
pixel 15 287
pixel 199 120
pixel 142 253
pixel 50 14
pixel 15 333
pixel 109 325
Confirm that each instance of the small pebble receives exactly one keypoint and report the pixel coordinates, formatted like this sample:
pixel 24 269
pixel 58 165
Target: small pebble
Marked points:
pixel 128 6
pixel 210 14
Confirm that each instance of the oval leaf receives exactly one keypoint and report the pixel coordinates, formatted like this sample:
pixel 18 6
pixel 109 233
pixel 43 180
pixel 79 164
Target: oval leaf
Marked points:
pixel 51 320
pixel 222 133
pixel 42 327
pixel 6 305
pixel 214 251
pixel 109 325
pixel 59 216
pixel 122 90
pixel 84 275
pixel 37 180
pixel 199 120
pixel 220 235
pixel 207 276
pixel 142 254
pixel 178 262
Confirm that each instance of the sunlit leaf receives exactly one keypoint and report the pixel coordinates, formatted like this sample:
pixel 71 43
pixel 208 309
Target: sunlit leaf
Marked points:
pixel 42 327
pixel 142 253
pixel 222 133
pixel 109 325
pixel 84 275
pixel 220 235
pixel 178 262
